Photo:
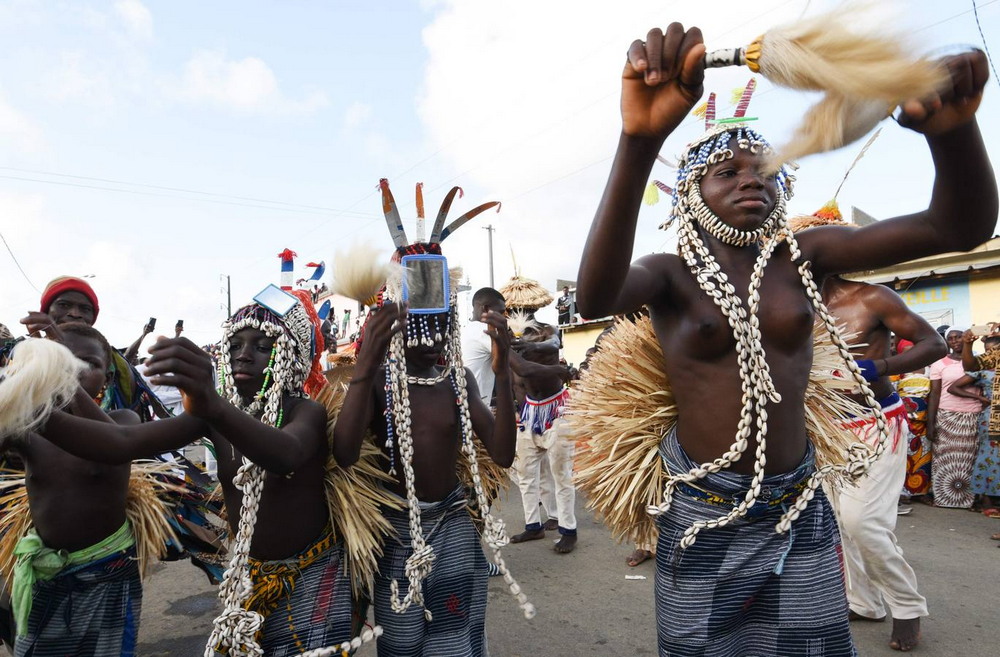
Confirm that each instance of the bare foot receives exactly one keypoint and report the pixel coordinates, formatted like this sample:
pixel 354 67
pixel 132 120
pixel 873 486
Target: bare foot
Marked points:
pixel 638 556
pixel 565 544
pixel 550 525
pixel 905 634
pixel 854 616
pixel 528 535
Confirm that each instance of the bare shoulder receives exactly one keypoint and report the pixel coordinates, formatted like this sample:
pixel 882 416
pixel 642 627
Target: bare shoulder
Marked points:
pixel 124 417
pixel 878 296
pixel 663 263
pixel 672 277
pixel 302 407
pixel 814 242
pixel 663 268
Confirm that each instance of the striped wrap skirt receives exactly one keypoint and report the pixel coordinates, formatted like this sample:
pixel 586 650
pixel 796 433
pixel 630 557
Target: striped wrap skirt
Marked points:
pixel 744 590
pixel 454 592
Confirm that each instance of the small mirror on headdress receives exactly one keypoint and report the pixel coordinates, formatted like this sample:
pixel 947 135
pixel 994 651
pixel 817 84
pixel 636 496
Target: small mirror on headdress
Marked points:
pixel 276 300
pixel 426 285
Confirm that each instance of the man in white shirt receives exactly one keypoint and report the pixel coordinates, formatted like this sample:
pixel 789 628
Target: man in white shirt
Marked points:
pixel 477 356
pixel 476 345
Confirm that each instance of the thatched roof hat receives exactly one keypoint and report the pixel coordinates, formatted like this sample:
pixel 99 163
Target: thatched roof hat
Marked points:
pixel 526 293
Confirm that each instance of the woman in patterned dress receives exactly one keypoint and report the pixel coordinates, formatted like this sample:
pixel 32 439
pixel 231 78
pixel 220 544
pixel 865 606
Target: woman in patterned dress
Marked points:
pixel 952 423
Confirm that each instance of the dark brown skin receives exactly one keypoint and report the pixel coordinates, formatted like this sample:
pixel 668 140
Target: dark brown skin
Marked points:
pixel 293 510
pixel 539 378
pixel 76 502
pixel 970 361
pixel 873 312
pixel 966 387
pixel 71 307
pixel 435 421
pixel 661 83
pixel 132 353
pixel 535 363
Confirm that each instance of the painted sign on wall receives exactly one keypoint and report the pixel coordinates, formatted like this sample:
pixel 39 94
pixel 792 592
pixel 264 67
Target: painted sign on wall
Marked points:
pixel 940 302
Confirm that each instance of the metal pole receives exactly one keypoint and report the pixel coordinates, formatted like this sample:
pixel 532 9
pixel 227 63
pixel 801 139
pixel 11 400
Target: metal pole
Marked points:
pixel 229 298
pixel 490 228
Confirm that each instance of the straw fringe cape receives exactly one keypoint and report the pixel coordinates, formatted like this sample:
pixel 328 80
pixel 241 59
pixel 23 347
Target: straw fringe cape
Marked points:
pixel 623 405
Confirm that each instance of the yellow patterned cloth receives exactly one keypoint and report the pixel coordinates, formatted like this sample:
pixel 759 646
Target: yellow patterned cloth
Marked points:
pixel 274 580
pixel 991 361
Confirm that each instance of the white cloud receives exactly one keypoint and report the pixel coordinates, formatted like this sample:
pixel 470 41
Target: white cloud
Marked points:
pixel 356 115
pixel 79 78
pixel 245 85
pixel 24 225
pixel 520 99
pixel 520 103
pixel 137 19
pixel 18 132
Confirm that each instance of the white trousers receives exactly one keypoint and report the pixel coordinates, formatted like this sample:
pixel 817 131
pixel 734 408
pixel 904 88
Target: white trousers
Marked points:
pixel 546 487
pixel 877 574
pixel 534 449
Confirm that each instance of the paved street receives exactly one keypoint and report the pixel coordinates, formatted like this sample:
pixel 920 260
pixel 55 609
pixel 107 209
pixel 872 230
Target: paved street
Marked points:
pixel 586 606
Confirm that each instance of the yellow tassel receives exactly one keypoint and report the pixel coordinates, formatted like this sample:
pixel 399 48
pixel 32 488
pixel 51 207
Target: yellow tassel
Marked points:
pixel 830 210
pixel 752 54
pixel 652 194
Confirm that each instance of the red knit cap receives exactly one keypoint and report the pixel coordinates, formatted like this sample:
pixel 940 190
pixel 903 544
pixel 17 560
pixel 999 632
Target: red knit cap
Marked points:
pixel 63 284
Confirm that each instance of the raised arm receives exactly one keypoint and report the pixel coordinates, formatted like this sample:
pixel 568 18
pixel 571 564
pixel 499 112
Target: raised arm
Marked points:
pixel 963 207
pixel 526 368
pixel 181 363
pixel 989 360
pixel 90 434
pixel 132 352
pixel 928 345
pixel 498 433
pixel 37 323
pixel 661 82
pixel 359 404
pixel 969 360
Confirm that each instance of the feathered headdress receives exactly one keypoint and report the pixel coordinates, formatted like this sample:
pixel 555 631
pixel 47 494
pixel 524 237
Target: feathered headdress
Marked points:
pixel 438 234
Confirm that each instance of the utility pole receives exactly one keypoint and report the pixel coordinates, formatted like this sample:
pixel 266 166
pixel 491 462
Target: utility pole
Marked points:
pixel 490 228
pixel 229 296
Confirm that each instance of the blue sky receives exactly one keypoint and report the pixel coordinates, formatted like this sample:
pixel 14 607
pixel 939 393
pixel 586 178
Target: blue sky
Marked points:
pixel 303 106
